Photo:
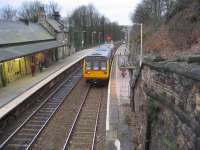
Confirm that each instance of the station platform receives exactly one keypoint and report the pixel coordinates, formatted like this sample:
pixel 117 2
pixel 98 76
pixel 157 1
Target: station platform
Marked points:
pixel 17 91
pixel 118 120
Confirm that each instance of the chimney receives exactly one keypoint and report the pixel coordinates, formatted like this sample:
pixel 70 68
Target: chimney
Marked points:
pixel 56 15
pixel 25 21
pixel 41 15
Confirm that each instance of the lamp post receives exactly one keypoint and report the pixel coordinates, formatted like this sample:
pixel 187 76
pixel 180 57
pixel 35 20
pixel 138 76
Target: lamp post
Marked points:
pixel 93 32
pixel 141 41
pixel 83 38
pixel 99 37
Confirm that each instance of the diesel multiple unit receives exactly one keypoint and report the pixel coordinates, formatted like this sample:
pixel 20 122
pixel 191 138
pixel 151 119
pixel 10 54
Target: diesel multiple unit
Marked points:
pixel 97 65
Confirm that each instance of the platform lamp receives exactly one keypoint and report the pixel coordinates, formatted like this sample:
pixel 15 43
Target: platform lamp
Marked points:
pixel 93 32
pixel 100 37
pixel 82 42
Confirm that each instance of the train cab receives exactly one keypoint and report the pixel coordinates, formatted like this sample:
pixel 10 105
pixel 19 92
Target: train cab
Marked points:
pixel 96 67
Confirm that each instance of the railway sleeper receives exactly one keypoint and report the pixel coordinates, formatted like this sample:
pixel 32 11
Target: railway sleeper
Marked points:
pixel 86 123
pixel 16 146
pixel 89 113
pixel 78 139
pixel 28 131
pixel 88 119
pixel 20 140
pixel 90 109
pixel 79 145
pixel 86 129
pixel 85 134
pixel 24 135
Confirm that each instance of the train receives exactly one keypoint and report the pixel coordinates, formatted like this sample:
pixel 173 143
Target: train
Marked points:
pixel 96 66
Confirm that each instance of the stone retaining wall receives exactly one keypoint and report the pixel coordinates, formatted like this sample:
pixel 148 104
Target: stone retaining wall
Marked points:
pixel 166 103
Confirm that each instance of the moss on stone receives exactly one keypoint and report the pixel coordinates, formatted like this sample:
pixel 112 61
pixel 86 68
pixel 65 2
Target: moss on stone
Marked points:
pixel 153 111
pixel 167 142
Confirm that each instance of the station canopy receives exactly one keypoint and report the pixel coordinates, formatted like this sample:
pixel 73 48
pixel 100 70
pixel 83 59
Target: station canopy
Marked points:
pixel 13 52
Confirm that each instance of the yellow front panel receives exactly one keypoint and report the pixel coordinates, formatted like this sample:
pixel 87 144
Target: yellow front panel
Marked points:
pixel 99 74
pixel 96 75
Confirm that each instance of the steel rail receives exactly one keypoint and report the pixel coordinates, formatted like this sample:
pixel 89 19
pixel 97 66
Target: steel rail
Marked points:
pixel 96 123
pixel 37 110
pixel 75 120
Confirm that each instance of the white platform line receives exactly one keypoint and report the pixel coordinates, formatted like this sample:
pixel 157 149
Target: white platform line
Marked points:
pixel 18 100
pixel 117 144
pixel 108 96
pixel 108 106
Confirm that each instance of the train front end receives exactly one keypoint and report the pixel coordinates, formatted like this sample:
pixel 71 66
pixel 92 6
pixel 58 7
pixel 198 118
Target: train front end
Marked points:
pixel 96 69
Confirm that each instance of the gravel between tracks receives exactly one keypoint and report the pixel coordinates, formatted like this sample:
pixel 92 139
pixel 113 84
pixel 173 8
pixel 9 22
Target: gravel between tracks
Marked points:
pixel 54 135
pixel 100 143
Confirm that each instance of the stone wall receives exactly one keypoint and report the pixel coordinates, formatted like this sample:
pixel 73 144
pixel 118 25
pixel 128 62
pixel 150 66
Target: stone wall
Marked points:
pixel 166 98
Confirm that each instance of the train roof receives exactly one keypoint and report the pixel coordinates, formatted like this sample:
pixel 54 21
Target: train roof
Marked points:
pixel 103 53
pixel 104 50
pixel 108 45
pixel 101 48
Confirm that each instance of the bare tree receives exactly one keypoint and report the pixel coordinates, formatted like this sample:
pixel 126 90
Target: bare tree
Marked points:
pixel 87 22
pixel 52 7
pixel 154 11
pixel 8 13
pixel 29 10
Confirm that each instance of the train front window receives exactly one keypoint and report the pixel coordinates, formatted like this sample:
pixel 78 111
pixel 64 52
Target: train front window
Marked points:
pixel 103 65
pixel 96 65
pixel 88 65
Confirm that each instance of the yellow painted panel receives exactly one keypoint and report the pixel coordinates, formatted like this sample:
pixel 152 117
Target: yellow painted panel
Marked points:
pixel 39 57
pixel 17 68
pixel 28 64
pixel 92 74
pixel 23 66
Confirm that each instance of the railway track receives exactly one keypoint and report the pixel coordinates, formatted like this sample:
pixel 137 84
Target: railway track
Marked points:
pixel 25 135
pixel 82 134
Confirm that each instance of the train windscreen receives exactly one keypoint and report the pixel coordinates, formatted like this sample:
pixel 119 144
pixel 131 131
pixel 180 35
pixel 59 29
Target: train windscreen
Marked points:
pixel 88 65
pixel 96 63
pixel 103 65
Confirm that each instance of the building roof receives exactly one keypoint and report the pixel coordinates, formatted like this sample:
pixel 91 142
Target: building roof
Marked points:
pixel 12 52
pixel 19 32
pixel 55 24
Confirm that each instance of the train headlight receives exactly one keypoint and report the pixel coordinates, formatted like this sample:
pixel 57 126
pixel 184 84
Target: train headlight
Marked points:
pixel 87 72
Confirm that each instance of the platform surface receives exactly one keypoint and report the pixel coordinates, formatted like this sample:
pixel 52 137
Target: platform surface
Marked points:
pixel 118 130
pixel 17 91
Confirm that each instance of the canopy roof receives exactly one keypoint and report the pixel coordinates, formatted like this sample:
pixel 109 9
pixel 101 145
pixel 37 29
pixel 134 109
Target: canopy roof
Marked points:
pixel 12 52
pixel 13 32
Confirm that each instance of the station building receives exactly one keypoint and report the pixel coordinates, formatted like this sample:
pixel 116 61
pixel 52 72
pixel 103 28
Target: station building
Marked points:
pixel 24 44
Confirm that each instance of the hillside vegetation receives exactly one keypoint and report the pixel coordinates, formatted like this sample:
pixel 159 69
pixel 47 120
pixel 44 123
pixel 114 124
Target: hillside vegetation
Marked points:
pixel 171 27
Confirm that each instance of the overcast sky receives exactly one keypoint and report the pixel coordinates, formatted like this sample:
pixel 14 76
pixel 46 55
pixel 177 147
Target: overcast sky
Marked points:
pixel 115 10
